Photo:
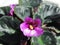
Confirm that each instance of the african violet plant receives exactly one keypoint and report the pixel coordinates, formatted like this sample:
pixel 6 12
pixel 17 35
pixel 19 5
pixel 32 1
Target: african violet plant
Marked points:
pixel 23 24
pixel 18 27
pixel 30 27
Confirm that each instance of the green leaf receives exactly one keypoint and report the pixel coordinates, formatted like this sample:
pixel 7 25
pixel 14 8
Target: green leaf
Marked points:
pixel 58 40
pixel 9 26
pixel 6 10
pixel 22 12
pixel 1 34
pixel 30 3
pixel 5 25
pixel 1 44
pixel 25 3
pixel 37 41
pixel 35 3
pixel 45 39
pixel 48 38
pixel 47 9
pixel 2 12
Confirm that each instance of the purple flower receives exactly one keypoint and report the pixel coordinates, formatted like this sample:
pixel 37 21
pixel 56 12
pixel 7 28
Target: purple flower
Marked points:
pixel 12 9
pixel 31 28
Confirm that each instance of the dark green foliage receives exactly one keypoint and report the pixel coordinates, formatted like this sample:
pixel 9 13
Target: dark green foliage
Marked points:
pixel 48 38
pixel 13 35
pixel 30 3
pixel 55 22
pixel 22 12
pixel 35 3
pixel 1 12
pixel 6 10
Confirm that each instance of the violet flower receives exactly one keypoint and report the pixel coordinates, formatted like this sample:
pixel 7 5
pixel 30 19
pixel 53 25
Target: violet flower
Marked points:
pixel 12 9
pixel 31 28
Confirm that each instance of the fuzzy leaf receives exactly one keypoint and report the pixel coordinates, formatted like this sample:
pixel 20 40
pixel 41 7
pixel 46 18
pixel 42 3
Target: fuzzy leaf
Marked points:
pixel 9 26
pixel 22 12
pixel 47 9
pixel 5 25
pixel 6 10
pixel 30 3
pixel 48 38
pixel 2 12
pixel 37 41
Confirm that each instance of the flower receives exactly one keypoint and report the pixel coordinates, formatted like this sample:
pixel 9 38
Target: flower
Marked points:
pixel 12 9
pixel 31 28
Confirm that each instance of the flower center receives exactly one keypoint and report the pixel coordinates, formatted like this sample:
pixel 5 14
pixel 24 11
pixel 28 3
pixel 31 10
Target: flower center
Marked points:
pixel 31 27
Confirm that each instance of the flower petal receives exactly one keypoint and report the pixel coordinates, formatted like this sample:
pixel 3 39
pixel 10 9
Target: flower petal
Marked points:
pixel 12 9
pixel 11 12
pixel 23 26
pixel 33 33
pixel 26 32
pixel 39 31
pixel 12 6
pixel 28 20
pixel 37 22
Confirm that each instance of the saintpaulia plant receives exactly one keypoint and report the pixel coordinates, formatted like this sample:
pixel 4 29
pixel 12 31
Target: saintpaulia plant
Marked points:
pixel 31 28
pixel 12 9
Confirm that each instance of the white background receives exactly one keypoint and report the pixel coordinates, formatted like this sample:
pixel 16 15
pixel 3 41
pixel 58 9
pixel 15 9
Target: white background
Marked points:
pixel 8 2
pixel 54 1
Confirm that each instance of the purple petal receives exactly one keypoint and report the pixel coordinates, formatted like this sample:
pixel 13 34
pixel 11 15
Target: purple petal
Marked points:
pixel 37 22
pixel 12 5
pixel 11 12
pixel 39 31
pixel 33 33
pixel 26 32
pixel 23 26
pixel 12 9
pixel 28 20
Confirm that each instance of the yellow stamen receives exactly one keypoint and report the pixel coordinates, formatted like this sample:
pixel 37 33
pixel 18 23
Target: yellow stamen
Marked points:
pixel 31 27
